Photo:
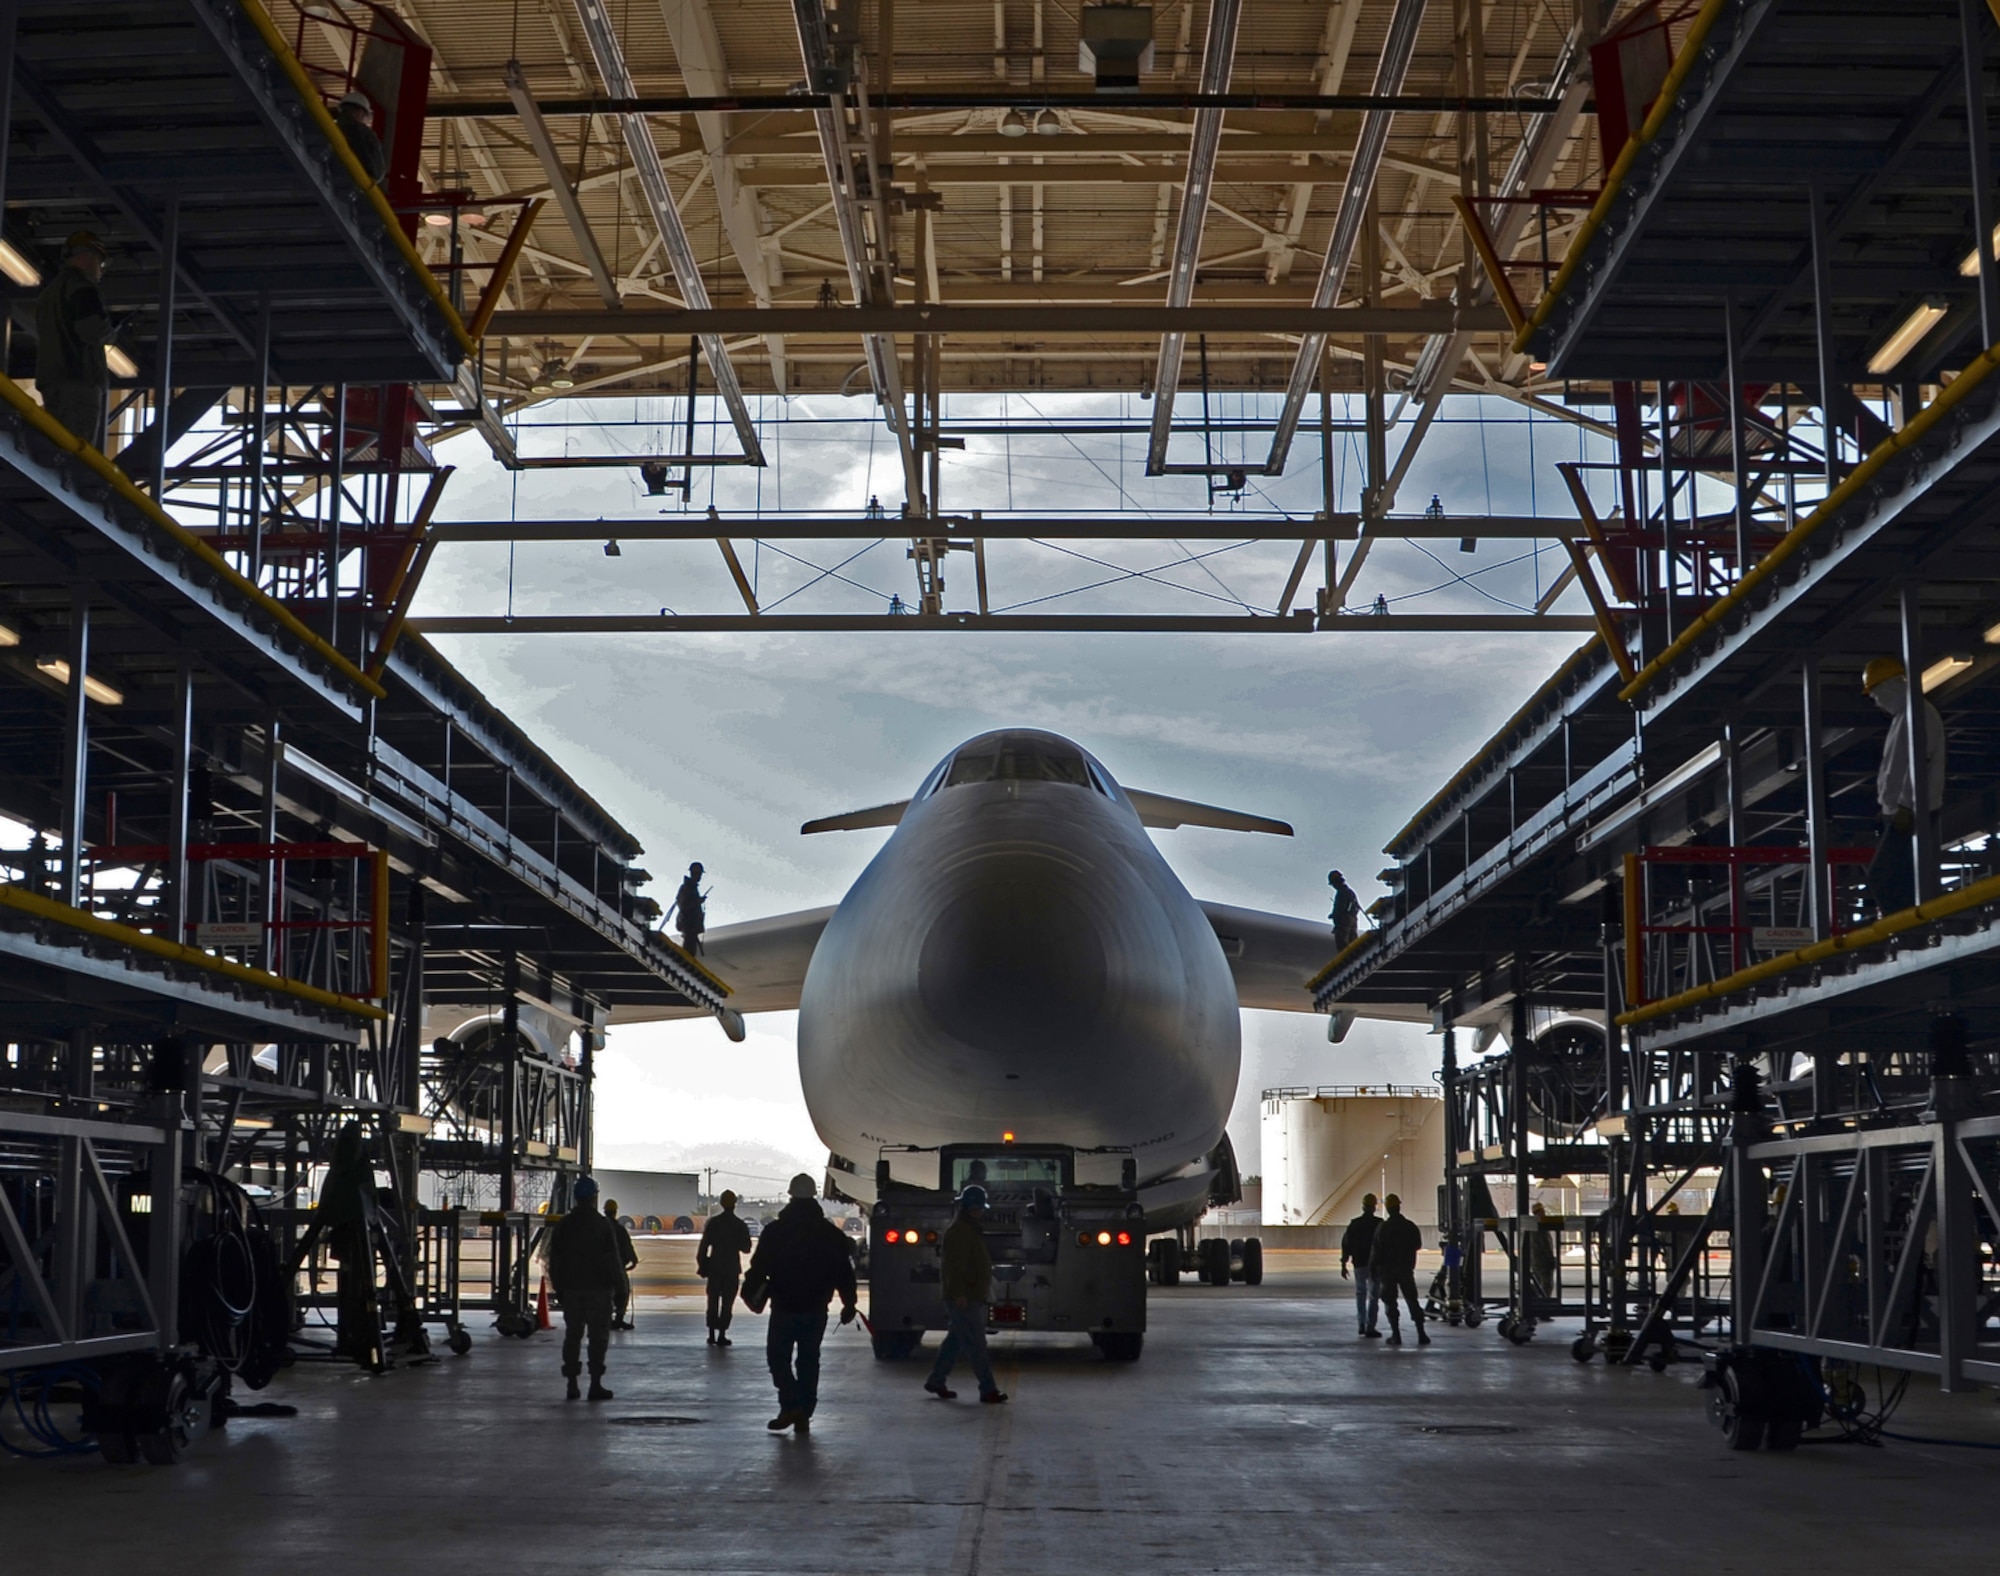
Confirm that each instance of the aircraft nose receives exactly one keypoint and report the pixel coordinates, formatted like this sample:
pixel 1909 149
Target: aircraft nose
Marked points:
pixel 1016 960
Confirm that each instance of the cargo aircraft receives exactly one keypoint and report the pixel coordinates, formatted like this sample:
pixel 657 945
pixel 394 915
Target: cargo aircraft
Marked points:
pixel 1018 962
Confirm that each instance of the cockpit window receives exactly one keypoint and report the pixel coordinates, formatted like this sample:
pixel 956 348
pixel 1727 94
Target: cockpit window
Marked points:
pixel 1019 758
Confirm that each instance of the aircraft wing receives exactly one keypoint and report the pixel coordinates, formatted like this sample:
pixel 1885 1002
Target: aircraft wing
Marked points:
pixel 763 962
pixel 1271 955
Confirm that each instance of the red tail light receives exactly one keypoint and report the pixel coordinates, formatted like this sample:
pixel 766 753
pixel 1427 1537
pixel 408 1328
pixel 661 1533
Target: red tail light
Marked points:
pixel 1124 1239
pixel 892 1235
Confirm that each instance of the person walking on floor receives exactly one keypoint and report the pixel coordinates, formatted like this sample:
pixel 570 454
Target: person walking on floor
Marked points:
pixel 804 1259
pixel 719 1262
pixel 584 1272
pixel 628 1261
pixel 1357 1246
pixel 1394 1262
pixel 968 1288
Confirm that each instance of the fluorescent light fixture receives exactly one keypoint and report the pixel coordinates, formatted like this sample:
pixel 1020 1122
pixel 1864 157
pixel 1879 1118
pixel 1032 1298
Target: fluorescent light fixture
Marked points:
pixel 1923 317
pixel 18 268
pixel 120 363
pixel 1992 636
pixel 1970 266
pixel 57 668
pixel 9 636
pixel 1945 668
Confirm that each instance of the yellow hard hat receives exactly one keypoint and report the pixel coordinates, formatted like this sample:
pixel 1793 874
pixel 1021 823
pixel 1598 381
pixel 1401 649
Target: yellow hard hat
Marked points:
pixel 1878 670
pixel 84 241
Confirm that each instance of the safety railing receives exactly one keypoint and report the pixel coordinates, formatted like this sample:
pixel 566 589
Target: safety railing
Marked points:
pixel 315 928
pixel 1698 913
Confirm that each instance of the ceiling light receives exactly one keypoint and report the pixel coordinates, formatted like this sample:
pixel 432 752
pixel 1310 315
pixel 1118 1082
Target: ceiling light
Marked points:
pixel 1969 267
pixel 16 267
pixel 120 363
pixel 1923 317
pixel 438 219
pixel 612 549
pixel 555 375
pixel 1012 125
pixel 475 217
pixel 57 668
pixel 1046 124
pixel 1945 668
pixel 12 637
pixel 1992 635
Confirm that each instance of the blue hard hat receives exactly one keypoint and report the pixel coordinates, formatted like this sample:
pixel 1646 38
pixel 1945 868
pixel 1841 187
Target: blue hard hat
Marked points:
pixel 586 1187
pixel 973 1197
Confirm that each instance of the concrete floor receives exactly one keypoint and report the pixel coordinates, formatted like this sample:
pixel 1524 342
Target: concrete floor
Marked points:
pixel 1256 1434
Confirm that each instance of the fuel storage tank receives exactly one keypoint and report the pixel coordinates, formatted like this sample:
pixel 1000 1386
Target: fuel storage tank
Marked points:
pixel 1325 1147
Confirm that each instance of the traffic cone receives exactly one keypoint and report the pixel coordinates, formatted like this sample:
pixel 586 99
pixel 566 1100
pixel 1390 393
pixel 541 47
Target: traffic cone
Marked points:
pixel 542 1307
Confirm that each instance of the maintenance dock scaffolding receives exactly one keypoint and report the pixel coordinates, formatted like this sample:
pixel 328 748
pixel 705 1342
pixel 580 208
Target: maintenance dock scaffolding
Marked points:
pixel 279 867
pixel 1642 916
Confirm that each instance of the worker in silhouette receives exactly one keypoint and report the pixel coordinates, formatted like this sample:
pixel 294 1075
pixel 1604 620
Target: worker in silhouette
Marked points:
pixel 967 1283
pixel 1394 1261
pixel 803 1257
pixel 1892 873
pixel 1346 915
pixel 691 910
pixel 356 119
pixel 628 1261
pixel 1357 1247
pixel 72 327
pixel 584 1270
pixel 719 1262
pixel 346 1211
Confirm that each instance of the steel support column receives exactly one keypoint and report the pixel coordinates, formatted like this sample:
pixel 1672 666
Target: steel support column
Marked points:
pixel 163 349
pixel 180 907
pixel 1819 895
pixel 1972 28
pixel 1916 728
pixel 76 749
pixel 1829 377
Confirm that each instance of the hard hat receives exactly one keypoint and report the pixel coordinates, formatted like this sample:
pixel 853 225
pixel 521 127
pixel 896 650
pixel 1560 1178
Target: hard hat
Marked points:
pixel 973 1196
pixel 84 241
pixel 1392 1202
pixel 803 1186
pixel 695 868
pixel 585 1189
pixel 357 101
pixel 611 1206
pixel 1879 671
pixel 728 1199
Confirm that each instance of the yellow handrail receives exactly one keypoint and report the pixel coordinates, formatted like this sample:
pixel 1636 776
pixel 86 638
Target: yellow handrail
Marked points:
pixel 316 109
pixel 1980 892
pixel 1832 504
pixel 76 919
pixel 1663 103
pixel 13 394
pixel 1353 949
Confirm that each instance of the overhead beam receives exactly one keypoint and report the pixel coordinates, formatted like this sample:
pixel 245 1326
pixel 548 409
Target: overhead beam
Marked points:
pixel 1217 62
pixel 652 174
pixel 537 132
pixel 917 623
pixel 1023 96
pixel 1096 322
pixel 1356 205
pixel 1134 526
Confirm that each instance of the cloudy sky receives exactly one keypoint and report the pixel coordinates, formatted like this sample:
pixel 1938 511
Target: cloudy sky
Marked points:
pixel 716 747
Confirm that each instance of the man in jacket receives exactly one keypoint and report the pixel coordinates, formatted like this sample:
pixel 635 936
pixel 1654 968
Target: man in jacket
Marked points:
pixel 345 1214
pixel 719 1262
pixel 804 1259
pixel 1395 1264
pixel 356 119
pixel 1357 1246
pixel 72 327
pixel 628 1261
pixel 968 1288
pixel 584 1270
